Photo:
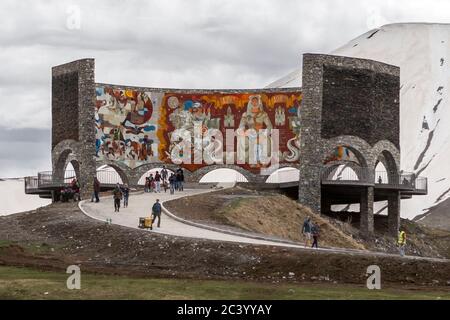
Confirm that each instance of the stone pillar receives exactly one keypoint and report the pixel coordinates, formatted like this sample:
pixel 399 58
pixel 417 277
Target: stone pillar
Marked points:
pixel 86 112
pixel 73 109
pixel 366 212
pixel 394 213
pixel 311 146
pixel 309 188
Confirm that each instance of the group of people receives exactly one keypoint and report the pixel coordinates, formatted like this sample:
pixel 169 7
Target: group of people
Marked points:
pixel 71 192
pixel 311 229
pixel 119 193
pixel 174 182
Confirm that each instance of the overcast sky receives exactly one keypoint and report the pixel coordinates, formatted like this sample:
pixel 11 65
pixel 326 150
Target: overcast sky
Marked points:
pixel 166 43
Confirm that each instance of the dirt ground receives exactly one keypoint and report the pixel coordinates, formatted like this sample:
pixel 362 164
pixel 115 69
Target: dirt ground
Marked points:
pixel 279 216
pixel 53 237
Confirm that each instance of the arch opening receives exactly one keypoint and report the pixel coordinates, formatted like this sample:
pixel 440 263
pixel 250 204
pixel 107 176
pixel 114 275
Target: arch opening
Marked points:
pixel 111 175
pixel 342 172
pixel 66 167
pixel 71 171
pixel 283 175
pixel 223 175
pixel 344 154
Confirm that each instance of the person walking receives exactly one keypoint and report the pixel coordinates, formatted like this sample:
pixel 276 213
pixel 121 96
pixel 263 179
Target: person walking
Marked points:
pixel 164 174
pixel 306 230
pixel 117 196
pixel 126 194
pixel 315 231
pixel 96 189
pixel 147 184
pixel 401 242
pixel 151 183
pixel 172 181
pixel 156 211
pixel 157 182
pixel 177 180
pixel 181 179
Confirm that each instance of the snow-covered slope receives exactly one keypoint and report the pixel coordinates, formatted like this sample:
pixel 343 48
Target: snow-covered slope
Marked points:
pixel 14 199
pixel 422 51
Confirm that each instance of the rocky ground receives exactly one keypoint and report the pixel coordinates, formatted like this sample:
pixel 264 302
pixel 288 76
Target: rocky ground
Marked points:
pixel 53 237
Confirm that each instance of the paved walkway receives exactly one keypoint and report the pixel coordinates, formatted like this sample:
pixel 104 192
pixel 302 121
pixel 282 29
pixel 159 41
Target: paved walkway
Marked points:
pixel 140 206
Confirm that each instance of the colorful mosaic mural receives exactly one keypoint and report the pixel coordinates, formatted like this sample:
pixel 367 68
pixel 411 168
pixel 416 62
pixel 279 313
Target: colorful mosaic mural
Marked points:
pixel 136 127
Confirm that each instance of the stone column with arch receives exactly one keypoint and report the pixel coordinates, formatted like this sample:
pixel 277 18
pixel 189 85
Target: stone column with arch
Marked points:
pixel 73 109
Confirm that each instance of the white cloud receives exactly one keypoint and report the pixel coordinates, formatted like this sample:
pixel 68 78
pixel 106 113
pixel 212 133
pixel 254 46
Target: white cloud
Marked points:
pixel 176 43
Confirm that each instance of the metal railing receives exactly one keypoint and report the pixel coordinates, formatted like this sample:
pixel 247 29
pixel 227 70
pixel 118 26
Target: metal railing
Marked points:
pixel 361 175
pixel 421 184
pixel 31 183
pixel 47 179
pixel 402 179
pixel 343 174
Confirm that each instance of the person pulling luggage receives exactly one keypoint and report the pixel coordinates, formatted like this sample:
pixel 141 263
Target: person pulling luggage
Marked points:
pixel 156 211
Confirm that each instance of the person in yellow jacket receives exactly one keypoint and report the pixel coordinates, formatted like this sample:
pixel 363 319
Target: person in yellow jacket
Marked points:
pixel 401 242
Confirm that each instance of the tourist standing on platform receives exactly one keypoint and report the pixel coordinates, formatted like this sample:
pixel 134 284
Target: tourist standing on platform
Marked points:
pixel 96 189
pixel 151 182
pixel 180 179
pixel 157 182
pixel 126 194
pixel 117 196
pixel 164 174
pixel 172 182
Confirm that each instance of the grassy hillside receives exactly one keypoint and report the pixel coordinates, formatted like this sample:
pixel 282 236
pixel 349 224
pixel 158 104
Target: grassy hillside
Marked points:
pixel 20 283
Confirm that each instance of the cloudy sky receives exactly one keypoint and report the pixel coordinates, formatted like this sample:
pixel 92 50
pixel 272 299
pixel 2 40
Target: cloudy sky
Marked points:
pixel 166 43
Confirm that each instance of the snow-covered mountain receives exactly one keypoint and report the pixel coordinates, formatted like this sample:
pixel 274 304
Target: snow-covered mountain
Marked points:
pixel 422 51
pixel 14 199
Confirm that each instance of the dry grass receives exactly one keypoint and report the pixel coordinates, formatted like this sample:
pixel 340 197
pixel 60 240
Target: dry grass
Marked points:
pixel 277 215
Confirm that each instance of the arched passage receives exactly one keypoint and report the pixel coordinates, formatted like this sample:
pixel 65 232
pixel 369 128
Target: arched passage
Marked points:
pixel 61 167
pixel 286 174
pixel 342 172
pixel 110 175
pixel 71 171
pixel 223 175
